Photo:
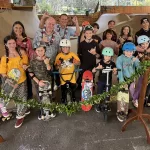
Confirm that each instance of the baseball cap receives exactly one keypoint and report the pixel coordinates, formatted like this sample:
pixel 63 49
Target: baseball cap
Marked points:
pixel 144 19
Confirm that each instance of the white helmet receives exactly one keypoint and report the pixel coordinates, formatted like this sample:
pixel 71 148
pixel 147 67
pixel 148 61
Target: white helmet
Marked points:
pixel 65 43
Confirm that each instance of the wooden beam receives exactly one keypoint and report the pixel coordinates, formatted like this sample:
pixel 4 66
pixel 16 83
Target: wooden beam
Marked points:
pixel 126 9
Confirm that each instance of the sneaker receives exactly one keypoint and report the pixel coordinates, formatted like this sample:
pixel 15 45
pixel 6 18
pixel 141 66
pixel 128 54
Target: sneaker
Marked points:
pixel 135 103
pixel 53 115
pixel 19 122
pixel 55 87
pixel 121 116
pixel 4 112
pixel 27 112
pixel 97 108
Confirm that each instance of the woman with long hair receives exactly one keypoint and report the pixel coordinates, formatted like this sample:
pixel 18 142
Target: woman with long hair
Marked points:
pixel 17 59
pixel 24 42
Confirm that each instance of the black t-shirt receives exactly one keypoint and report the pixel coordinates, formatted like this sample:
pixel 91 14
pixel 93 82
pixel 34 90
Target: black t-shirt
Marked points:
pixel 141 32
pixel 88 60
pixel 103 76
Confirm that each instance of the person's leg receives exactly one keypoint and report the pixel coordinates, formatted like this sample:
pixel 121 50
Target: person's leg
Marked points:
pixel 63 93
pixel 73 90
pixel 21 93
pixel 100 90
pixel 29 85
pixel 147 96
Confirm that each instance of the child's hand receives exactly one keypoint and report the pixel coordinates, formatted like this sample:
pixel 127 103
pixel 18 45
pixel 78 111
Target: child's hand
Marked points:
pixel 134 59
pixel 99 66
pixel 25 67
pixel 92 51
pixel 115 70
pixel 94 70
pixel 41 83
pixel 46 61
pixel 58 63
pixel 75 61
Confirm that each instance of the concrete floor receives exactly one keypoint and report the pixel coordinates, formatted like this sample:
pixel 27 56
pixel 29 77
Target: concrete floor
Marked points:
pixel 81 131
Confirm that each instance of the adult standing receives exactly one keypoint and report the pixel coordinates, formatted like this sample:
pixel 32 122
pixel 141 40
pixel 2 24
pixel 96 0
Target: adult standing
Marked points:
pixel 24 42
pixel 64 31
pixel 145 30
pixel 50 39
pixel 111 26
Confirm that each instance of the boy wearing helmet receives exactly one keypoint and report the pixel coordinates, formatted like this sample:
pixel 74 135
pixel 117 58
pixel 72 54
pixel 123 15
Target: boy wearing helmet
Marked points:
pixel 88 49
pixel 39 70
pixel 105 63
pixel 66 62
pixel 128 65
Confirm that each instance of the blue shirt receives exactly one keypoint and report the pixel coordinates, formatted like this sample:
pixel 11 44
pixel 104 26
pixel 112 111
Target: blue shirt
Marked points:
pixel 64 33
pixel 127 66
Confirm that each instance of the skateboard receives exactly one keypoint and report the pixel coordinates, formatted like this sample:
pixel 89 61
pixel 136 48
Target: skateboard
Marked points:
pixel 123 100
pixel 87 89
pixel 45 94
pixel 9 86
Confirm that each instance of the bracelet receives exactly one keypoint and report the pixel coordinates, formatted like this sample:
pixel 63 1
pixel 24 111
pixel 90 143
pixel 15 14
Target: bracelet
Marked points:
pixel 33 76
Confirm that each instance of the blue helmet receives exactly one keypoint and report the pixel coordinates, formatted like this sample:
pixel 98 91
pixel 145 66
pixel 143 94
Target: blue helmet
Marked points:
pixel 129 46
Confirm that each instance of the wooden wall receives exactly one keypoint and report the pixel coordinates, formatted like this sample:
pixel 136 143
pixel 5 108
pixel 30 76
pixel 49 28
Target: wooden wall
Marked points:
pixel 5 4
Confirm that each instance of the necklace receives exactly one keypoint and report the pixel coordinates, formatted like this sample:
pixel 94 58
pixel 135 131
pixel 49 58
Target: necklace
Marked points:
pixel 65 31
pixel 51 40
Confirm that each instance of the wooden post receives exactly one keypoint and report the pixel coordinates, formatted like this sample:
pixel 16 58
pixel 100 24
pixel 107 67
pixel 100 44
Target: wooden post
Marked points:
pixel 1 139
pixel 139 115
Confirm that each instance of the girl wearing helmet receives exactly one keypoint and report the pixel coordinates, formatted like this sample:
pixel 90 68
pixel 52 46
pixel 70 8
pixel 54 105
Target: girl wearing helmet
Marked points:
pixel 143 52
pixel 66 62
pixel 106 62
pixel 143 48
pixel 128 64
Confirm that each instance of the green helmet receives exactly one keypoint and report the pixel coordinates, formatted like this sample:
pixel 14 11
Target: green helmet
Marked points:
pixel 108 51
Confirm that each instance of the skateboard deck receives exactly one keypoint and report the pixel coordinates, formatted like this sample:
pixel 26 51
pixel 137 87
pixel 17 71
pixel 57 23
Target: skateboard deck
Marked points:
pixel 45 94
pixel 87 89
pixel 123 101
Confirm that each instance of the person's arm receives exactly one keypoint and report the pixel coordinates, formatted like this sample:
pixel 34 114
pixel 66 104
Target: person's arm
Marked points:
pixel 31 52
pixel 25 60
pixel 136 36
pixel 3 67
pixel 75 20
pixel 76 59
pixel 37 39
pixel 42 21
pixel 119 66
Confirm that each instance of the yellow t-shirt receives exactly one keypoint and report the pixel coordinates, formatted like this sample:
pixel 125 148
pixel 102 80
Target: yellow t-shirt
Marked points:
pixel 66 66
pixel 14 62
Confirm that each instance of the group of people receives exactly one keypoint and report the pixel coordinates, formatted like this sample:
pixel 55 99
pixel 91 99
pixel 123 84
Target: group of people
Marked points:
pixel 50 50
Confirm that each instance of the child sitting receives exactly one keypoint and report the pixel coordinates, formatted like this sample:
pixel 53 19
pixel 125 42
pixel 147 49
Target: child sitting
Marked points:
pixel 128 64
pixel 66 62
pixel 40 72
pixel 105 63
